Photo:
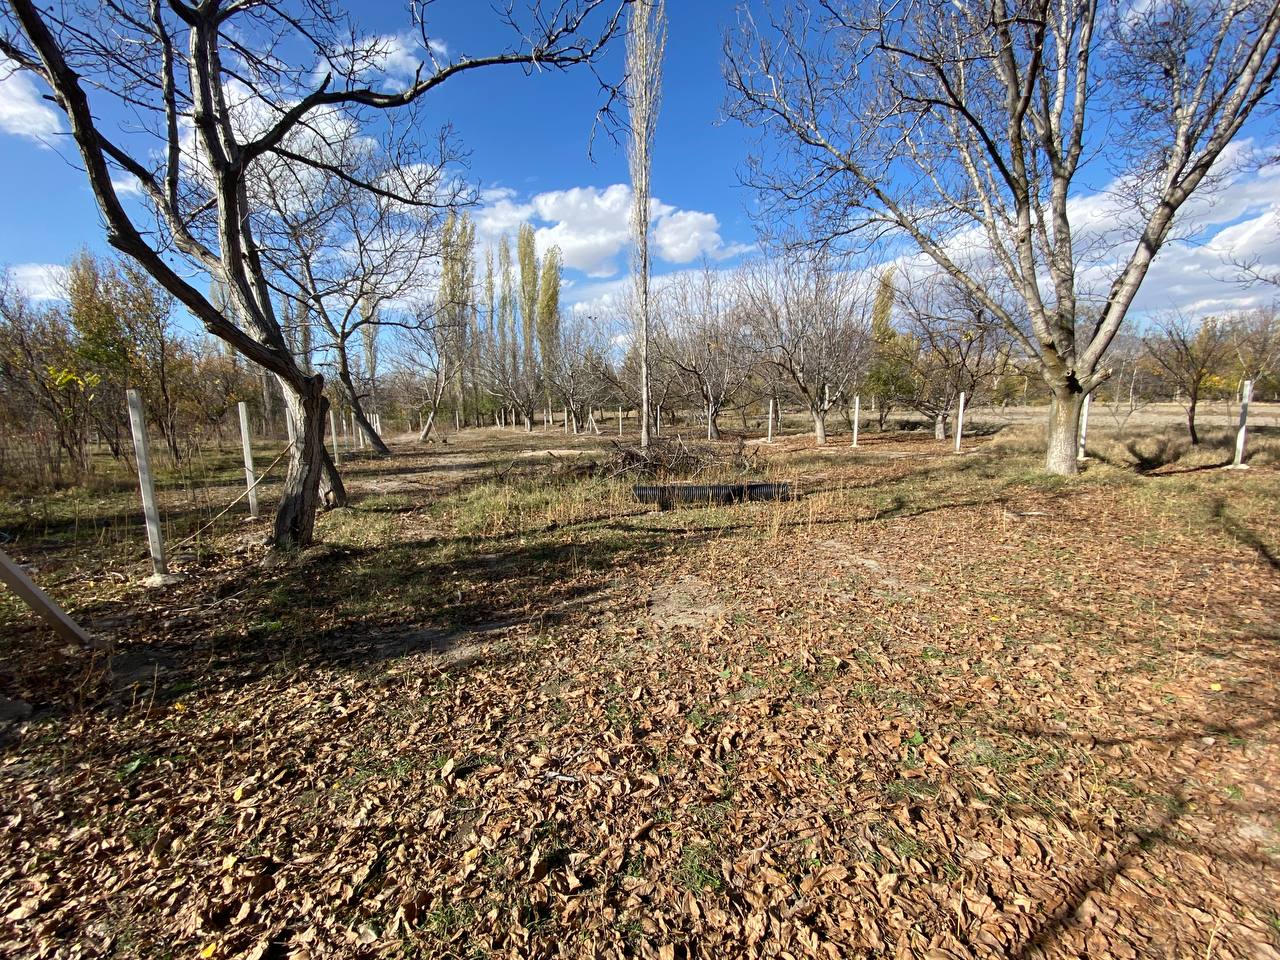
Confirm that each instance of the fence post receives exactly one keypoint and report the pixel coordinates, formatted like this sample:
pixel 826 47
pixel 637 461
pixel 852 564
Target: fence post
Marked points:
pixel 566 421
pixel 619 421
pixel 1246 394
pixel 333 428
pixel 137 420
pixel 249 478
pixel 1084 427
pixel 959 421
pixel 857 413
pixel 659 421
pixel 769 438
pixel 17 580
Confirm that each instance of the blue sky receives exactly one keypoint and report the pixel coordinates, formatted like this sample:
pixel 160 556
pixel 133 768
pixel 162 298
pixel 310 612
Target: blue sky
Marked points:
pixel 527 139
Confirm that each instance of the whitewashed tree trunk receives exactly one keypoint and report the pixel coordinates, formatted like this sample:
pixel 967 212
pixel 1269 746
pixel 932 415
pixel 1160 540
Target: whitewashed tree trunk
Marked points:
pixel 1084 428
pixel 1246 395
pixel 1064 432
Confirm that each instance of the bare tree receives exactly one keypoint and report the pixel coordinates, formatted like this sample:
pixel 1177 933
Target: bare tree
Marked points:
pixel 646 43
pixel 428 361
pixel 1130 387
pixel 341 253
pixel 1255 339
pixel 963 127
pixel 702 335
pixel 810 317
pixel 579 371
pixel 949 344
pixel 215 90
pixel 1187 354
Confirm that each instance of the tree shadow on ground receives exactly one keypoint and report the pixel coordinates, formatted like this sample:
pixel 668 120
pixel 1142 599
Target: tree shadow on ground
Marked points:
pixel 351 608
pixel 1243 535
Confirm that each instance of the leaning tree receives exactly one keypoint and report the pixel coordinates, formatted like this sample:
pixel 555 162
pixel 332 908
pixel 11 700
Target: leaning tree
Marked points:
pixel 969 129
pixel 189 100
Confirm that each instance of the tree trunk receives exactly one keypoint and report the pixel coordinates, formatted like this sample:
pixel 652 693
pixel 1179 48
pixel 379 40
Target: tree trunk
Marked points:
pixel 357 411
pixel 940 426
pixel 819 427
pixel 300 495
pixel 1064 432
pixel 333 492
pixel 1191 417
pixel 426 426
pixel 713 423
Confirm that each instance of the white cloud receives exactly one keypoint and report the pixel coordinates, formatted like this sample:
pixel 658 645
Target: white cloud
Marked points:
pixel 40 281
pixel 686 235
pixel 591 226
pixel 22 110
pixel 1237 220
pixel 395 57
pixel 499 214
pixel 127 185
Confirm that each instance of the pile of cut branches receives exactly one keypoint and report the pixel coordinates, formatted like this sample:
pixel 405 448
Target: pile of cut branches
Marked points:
pixel 667 459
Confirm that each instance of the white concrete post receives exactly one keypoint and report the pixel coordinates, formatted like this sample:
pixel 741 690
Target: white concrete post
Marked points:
pixel 333 428
pixel 566 421
pixel 137 420
pixel 959 421
pixel 1084 427
pixel 249 479
pixel 619 421
pixel 659 421
pixel 1246 394
pixel 457 420
pixel 857 414
pixel 16 579
pixel 769 439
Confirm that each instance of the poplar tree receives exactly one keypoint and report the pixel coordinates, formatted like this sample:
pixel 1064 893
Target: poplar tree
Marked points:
pixel 527 255
pixel 888 376
pixel 646 42
pixel 549 307
pixel 507 304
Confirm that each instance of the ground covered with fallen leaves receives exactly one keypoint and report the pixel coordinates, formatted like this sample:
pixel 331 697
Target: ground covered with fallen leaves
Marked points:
pixel 938 706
